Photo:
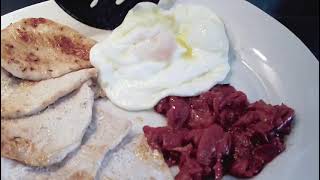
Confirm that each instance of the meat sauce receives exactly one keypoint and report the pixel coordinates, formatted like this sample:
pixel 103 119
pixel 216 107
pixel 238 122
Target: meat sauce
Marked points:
pixel 219 132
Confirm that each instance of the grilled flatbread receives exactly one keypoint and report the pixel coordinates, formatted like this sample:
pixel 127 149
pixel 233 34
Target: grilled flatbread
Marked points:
pixel 38 48
pixel 107 132
pixel 22 98
pixel 104 133
pixel 46 138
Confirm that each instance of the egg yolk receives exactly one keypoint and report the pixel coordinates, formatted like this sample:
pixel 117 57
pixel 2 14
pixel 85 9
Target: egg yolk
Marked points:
pixel 183 42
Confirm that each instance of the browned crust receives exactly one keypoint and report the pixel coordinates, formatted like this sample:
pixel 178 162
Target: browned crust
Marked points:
pixel 145 153
pixel 22 150
pixel 81 175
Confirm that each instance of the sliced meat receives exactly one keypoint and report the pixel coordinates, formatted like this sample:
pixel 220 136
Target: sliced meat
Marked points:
pixel 134 161
pixel 21 98
pixel 104 133
pixel 38 48
pixel 46 138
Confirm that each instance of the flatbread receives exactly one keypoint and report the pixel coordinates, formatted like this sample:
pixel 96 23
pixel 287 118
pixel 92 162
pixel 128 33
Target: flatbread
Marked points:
pixel 135 161
pixel 104 133
pixel 107 132
pixel 46 138
pixel 23 98
pixel 38 48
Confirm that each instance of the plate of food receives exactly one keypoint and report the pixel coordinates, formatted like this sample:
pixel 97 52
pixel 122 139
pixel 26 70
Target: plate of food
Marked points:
pixel 185 90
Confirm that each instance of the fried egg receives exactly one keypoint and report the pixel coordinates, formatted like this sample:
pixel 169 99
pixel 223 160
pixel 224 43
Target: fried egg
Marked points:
pixel 155 52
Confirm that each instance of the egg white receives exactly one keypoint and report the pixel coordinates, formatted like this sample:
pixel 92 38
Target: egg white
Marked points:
pixel 155 53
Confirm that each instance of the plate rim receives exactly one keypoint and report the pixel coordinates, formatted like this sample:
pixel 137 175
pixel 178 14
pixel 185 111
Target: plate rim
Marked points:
pixel 311 58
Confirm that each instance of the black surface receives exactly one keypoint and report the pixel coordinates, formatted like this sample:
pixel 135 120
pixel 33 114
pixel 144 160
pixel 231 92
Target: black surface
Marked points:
pixel 300 16
pixel 105 15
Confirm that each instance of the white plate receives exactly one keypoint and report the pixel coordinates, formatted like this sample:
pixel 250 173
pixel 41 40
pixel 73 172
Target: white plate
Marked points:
pixel 268 62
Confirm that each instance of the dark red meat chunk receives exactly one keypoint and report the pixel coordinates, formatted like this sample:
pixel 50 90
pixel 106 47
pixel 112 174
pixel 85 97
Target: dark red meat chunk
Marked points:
pixel 219 132
pixel 178 112
pixel 200 114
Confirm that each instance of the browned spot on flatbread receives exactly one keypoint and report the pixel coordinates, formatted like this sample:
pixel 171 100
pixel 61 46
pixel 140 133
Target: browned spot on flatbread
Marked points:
pixel 9 48
pixel 24 36
pixel 27 83
pixel 34 22
pixel 95 148
pixel 145 153
pixel 67 46
pixel 20 149
pixel 14 61
pixel 32 58
pixel 81 175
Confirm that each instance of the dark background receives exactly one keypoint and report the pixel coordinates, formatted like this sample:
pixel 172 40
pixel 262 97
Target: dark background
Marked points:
pixel 300 16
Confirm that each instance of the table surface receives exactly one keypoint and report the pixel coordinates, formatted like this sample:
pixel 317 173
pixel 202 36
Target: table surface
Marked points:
pixel 300 16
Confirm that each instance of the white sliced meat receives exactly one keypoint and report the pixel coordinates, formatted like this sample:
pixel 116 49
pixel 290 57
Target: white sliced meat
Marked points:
pixel 46 138
pixel 39 48
pixel 104 133
pixel 135 160
pixel 22 98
